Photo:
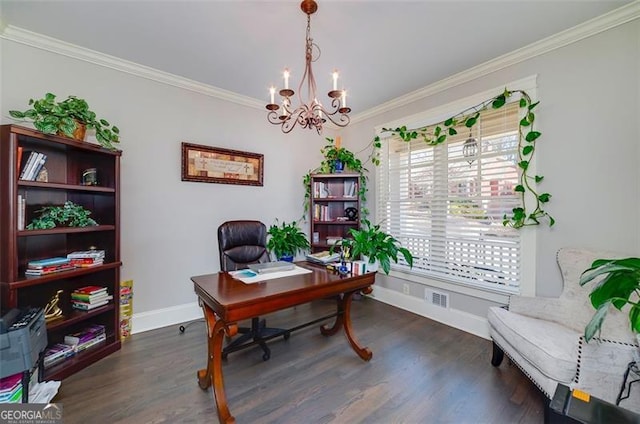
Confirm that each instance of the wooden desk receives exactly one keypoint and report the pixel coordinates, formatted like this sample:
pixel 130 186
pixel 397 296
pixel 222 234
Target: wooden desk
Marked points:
pixel 225 301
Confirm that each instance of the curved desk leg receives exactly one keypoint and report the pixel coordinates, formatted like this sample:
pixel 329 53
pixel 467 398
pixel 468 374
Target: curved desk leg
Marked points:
pixel 363 352
pixel 343 318
pixel 330 331
pixel 216 330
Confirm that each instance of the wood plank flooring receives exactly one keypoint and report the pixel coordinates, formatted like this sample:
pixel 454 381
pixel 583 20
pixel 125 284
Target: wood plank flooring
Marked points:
pixel 421 372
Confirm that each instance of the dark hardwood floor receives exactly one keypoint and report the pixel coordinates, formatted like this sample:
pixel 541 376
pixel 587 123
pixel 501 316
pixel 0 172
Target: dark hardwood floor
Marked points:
pixel 421 372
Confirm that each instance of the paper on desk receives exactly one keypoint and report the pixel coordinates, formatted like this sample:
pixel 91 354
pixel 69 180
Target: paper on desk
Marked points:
pixel 249 277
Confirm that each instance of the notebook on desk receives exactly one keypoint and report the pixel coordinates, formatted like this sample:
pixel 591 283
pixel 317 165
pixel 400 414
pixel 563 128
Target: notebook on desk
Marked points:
pixel 271 267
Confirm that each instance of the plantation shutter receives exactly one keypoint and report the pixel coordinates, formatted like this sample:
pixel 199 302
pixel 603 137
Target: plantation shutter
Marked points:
pixel 447 208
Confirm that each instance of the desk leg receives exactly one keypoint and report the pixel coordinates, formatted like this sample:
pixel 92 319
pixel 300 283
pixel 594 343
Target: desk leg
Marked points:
pixel 344 318
pixel 330 331
pixel 216 329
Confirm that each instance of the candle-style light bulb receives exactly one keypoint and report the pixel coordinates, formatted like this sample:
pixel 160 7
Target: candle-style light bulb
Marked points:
pixel 335 79
pixel 272 90
pixel 286 78
pixel 344 98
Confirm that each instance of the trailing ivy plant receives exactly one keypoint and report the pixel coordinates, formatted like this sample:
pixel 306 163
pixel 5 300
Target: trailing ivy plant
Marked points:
pixel 434 134
pixel 351 163
pixel 67 215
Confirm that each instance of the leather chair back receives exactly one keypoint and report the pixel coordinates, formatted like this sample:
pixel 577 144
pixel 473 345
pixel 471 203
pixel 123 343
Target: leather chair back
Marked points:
pixel 242 243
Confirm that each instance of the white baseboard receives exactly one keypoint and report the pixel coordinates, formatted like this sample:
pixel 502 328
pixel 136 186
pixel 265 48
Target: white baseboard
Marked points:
pixel 464 321
pixel 452 317
pixel 165 317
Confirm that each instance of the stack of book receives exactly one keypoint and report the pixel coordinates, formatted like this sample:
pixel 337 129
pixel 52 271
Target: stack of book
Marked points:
pixel 323 258
pixel 11 389
pixel 88 337
pixel 31 163
pixel 90 297
pixel 48 266
pixel 86 258
pixel 56 354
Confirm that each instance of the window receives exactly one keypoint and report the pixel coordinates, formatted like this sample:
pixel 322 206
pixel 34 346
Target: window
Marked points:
pixel 446 203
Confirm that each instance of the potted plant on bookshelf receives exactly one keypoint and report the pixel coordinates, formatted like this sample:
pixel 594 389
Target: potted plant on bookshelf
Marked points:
pixel 286 240
pixel 67 215
pixel 375 247
pixel 70 117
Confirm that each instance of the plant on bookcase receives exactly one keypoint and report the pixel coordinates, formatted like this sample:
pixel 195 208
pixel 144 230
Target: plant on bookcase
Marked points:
pixel 70 117
pixel 67 215
pixel 374 245
pixel 350 162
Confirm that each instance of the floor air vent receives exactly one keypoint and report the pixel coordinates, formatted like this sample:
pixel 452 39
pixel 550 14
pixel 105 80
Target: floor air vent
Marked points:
pixel 438 298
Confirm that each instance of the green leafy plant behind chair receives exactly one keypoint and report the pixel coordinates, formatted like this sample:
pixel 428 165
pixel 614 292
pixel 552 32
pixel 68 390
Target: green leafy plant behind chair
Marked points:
pixel 64 118
pixel 371 242
pixel 286 239
pixel 67 215
pixel 619 286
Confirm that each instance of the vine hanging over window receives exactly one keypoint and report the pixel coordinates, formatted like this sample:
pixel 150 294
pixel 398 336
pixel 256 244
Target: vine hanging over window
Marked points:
pixel 530 212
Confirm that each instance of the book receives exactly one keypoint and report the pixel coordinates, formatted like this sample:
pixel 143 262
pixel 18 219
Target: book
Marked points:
pixel 86 264
pixel 91 298
pixel 28 157
pixel 78 261
pixel 49 269
pixel 323 257
pixel 41 263
pixel 88 306
pixel 22 202
pixel 56 354
pixel 19 160
pixel 31 168
pixel 90 290
pixel 99 339
pixel 40 160
pixel 95 254
pixel 85 335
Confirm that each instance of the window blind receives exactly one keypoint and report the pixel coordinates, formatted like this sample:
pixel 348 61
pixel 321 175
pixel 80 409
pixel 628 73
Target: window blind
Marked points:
pixel 446 203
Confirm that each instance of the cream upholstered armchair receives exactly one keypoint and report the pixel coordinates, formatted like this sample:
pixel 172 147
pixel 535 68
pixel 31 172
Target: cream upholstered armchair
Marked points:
pixel 544 337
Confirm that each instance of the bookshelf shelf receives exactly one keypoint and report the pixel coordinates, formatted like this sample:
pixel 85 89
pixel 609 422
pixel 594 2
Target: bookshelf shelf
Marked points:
pixel 331 195
pixel 59 186
pixel 66 230
pixel 66 160
pixel 77 316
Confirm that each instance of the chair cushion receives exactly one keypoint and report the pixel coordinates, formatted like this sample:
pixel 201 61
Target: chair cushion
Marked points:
pixel 549 347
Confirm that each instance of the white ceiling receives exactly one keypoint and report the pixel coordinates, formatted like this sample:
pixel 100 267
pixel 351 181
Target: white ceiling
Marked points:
pixel 383 49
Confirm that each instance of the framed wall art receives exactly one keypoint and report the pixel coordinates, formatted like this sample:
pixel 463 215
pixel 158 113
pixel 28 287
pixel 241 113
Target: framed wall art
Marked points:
pixel 213 165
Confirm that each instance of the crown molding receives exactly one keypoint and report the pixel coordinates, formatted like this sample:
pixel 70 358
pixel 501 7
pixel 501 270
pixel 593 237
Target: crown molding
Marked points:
pixel 592 27
pixel 43 42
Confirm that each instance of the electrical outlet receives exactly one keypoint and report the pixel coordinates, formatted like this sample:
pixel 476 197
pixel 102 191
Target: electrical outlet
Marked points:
pixel 405 288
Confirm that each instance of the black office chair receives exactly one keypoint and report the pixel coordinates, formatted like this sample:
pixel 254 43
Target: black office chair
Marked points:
pixel 242 243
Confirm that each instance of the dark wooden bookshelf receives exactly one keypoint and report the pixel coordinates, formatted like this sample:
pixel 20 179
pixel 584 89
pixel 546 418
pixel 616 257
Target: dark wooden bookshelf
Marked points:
pixel 66 160
pixel 328 194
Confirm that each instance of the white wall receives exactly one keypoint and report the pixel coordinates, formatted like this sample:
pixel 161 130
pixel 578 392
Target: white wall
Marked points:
pixel 588 153
pixel 169 226
pixel 589 117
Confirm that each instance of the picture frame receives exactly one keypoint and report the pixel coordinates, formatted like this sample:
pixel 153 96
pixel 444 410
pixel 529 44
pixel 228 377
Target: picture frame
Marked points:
pixel 208 164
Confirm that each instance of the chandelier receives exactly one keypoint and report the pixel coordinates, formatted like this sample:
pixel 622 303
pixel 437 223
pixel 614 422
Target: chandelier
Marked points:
pixel 310 113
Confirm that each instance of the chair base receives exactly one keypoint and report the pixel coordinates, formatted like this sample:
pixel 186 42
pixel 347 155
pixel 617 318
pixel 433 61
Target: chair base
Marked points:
pixel 258 334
